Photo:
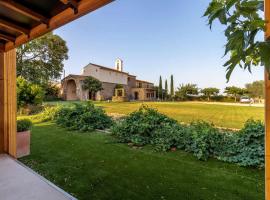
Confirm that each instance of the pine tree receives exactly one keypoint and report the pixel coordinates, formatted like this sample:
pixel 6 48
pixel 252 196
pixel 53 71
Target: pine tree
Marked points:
pixel 172 87
pixel 166 90
pixel 160 88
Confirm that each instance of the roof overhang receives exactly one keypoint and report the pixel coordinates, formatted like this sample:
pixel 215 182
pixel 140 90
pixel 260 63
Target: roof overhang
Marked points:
pixel 22 21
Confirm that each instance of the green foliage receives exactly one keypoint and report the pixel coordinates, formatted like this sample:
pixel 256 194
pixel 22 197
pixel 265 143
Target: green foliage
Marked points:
pixel 83 117
pixel 24 125
pixel 247 148
pixel 41 60
pixel 172 87
pixel 243 23
pixel 142 123
pixel 28 93
pixel 210 92
pixel 92 85
pixel 256 89
pixel 51 92
pixel 186 89
pixel 203 140
pixel 236 92
pixel 160 89
pixel 118 86
pixel 48 114
pixel 166 89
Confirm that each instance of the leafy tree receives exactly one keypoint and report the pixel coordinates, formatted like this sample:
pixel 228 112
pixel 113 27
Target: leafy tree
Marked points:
pixel 235 91
pixel 256 89
pixel 92 85
pixel 210 92
pixel 28 93
pixel 160 89
pixel 166 89
pixel 51 91
pixel 243 23
pixel 172 87
pixel 41 60
pixel 186 89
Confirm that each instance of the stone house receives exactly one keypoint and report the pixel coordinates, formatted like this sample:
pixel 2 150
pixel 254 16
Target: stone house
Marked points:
pixel 117 85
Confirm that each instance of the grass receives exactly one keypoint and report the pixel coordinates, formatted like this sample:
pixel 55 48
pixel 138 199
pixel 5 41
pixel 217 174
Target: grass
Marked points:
pixel 228 116
pixel 92 166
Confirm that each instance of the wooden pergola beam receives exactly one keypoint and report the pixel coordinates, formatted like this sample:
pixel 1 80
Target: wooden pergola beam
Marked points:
pixel 84 7
pixel 7 37
pixel 72 4
pixel 14 27
pixel 24 10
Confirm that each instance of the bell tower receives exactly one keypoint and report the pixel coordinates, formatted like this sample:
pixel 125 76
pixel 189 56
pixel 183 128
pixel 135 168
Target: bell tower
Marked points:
pixel 119 65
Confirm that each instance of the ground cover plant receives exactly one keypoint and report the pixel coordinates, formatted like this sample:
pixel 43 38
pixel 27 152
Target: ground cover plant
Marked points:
pixel 227 116
pixel 83 117
pixel 148 126
pixel 92 166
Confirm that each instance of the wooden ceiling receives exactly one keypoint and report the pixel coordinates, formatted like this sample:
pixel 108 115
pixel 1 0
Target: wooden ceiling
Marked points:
pixel 24 20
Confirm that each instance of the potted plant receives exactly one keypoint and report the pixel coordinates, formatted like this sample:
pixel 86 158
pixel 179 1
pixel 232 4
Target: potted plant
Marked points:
pixel 23 137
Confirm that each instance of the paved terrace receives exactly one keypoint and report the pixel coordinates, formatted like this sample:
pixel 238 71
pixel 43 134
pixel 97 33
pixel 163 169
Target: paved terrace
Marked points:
pixel 18 182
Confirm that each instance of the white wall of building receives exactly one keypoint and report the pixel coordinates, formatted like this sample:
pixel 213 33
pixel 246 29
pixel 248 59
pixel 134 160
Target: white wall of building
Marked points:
pixel 105 75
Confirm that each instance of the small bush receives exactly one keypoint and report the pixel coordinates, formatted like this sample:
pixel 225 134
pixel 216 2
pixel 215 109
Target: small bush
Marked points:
pixel 83 117
pixel 24 125
pixel 28 93
pixel 141 124
pixel 49 114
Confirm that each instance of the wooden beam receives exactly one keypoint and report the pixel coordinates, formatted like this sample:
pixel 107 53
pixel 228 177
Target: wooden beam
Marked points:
pixel 267 108
pixel 7 37
pixel 24 10
pixel 72 4
pixel 8 103
pixel 84 7
pixel 14 27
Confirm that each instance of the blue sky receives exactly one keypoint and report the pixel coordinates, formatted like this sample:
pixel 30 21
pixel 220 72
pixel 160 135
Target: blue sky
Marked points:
pixel 153 37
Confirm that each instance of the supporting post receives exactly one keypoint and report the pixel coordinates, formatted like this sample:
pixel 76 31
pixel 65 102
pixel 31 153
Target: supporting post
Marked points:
pixel 267 109
pixel 8 105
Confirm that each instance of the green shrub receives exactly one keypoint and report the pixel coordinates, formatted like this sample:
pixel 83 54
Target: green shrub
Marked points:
pixel 203 140
pixel 83 117
pixel 247 148
pixel 28 93
pixel 24 125
pixel 49 113
pixel 51 92
pixel 141 124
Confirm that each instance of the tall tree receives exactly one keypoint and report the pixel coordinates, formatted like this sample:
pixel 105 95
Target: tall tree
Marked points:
pixel 166 89
pixel 208 92
pixel 235 91
pixel 244 23
pixel 186 89
pixel 172 87
pixel 92 85
pixel 41 60
pixel 256 89
pixel 160 89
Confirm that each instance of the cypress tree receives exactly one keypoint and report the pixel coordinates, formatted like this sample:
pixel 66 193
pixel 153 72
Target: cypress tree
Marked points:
pixel 160 88
pixel 166 89
pixel 172 87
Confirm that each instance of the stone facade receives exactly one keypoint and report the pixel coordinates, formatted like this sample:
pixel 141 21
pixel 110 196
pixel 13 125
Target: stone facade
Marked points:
pixel 134 89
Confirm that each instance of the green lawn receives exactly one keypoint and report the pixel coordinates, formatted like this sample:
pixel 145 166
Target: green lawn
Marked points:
pixel 92 166
pixel 229 116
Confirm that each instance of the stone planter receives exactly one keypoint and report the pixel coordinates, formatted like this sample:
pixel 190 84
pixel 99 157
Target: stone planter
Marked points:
pixel 23 143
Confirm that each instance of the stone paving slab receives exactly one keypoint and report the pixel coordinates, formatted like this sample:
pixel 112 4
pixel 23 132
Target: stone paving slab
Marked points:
pixel 18 182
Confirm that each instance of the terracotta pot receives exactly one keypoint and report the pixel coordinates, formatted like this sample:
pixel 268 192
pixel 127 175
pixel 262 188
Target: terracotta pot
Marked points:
pixel 23 143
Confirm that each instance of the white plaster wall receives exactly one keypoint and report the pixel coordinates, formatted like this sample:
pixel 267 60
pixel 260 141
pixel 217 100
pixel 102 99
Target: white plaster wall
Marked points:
pixel 105 75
